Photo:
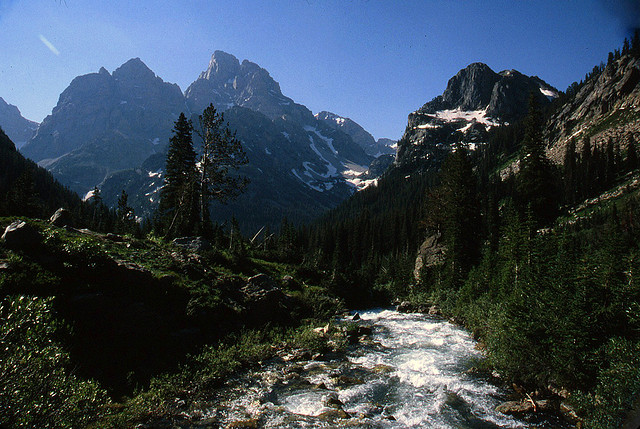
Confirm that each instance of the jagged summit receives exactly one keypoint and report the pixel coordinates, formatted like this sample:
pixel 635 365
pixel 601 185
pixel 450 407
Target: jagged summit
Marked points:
pixel 222 67
pixel 476 99
pixel 470 88
pixel 105 122
pixel 226 83
pixel 134 69
pixel 478 87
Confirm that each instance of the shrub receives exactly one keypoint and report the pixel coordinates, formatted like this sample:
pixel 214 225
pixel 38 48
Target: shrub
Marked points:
pixel 36 387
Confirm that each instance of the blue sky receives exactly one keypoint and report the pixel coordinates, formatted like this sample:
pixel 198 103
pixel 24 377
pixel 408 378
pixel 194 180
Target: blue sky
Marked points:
pixel 374 61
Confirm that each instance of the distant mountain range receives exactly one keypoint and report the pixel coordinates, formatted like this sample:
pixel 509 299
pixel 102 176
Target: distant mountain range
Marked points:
pixel 112 131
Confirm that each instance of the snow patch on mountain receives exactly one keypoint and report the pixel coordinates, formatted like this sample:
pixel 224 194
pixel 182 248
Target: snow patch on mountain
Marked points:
pixel 458 115
pixel 88 195
pixel 550 94
pixel 327 140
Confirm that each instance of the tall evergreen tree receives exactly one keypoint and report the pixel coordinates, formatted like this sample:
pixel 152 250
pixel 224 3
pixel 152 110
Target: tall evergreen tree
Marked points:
pixel 570 173
pixel 178 198
pixel 222 155
pixel 535 182
pixel 455 210
pixel 125 216
pixel 632 156
pixel 23 199
pixel 96 208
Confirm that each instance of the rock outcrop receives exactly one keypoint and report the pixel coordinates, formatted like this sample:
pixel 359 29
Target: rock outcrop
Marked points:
pixel 607 107
pixel 62 217
pixel 21 236
pixel 430 254
pixel 193 244
pixel 264 300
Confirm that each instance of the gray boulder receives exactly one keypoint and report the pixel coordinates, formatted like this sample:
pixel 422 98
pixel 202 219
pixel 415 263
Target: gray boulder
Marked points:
pixel 264 300
pixel 193 244
pixel 261 287
pixel 21 236
pixel 61 217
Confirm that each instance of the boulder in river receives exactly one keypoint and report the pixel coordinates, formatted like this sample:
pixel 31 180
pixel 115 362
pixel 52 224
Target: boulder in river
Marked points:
pixel 243 424
pixel 332 401
pixel 333 414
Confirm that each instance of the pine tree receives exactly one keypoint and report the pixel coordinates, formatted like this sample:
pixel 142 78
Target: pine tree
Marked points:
pixel 626 47
pixel 125 214
pixel 632 156
pixel 610 165
pixel 587 174
pixel 454 209
pixel 635 44
pixel 178 198
pixel 570 172
pixel 23 199
pixel 222 155
pixel 535 185
pixel 96 206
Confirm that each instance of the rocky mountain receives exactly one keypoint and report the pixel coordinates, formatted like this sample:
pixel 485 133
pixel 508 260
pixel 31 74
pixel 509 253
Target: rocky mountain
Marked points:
pixel 299 166
pixel 19 129
pixel 606 107
pixel 104 123
pixel 227 83
pixel 475 100
pixel 359 135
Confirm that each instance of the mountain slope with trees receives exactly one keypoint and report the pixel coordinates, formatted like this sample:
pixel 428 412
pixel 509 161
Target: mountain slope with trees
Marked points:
pixel 529 241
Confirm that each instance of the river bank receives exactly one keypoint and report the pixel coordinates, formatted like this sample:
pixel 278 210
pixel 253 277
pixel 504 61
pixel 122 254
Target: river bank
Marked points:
pixel 403 370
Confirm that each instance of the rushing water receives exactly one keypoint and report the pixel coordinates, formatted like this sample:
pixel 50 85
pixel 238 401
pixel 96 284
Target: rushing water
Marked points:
pixel 414 374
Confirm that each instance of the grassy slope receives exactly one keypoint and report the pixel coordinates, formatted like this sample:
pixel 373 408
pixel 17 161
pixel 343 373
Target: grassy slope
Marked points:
pixel 127 311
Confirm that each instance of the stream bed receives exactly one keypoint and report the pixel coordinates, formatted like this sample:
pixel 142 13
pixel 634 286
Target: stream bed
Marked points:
pixel 414 373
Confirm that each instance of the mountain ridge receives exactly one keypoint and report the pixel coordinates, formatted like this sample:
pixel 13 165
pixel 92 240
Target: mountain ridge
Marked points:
pixel 112 129
pixel 18 128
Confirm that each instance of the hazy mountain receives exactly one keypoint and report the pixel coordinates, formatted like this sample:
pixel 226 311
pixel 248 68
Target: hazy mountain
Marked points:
pixel 106 122
pixel 298 166
pixel 359 135
pixel 18 129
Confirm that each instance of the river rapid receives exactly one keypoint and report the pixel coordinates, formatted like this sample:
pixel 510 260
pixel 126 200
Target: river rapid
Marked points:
pixel 414 373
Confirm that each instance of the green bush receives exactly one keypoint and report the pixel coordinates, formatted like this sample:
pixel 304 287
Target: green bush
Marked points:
pixel 618 386
pixel 36 387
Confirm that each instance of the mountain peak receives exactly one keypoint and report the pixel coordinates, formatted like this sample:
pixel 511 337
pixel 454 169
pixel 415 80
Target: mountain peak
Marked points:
pixel 134 69
pixel 19 129
pixel 471 87
pixel 222 67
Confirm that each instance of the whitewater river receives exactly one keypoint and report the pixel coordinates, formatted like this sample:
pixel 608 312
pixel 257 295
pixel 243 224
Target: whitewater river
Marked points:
pixel 414 374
